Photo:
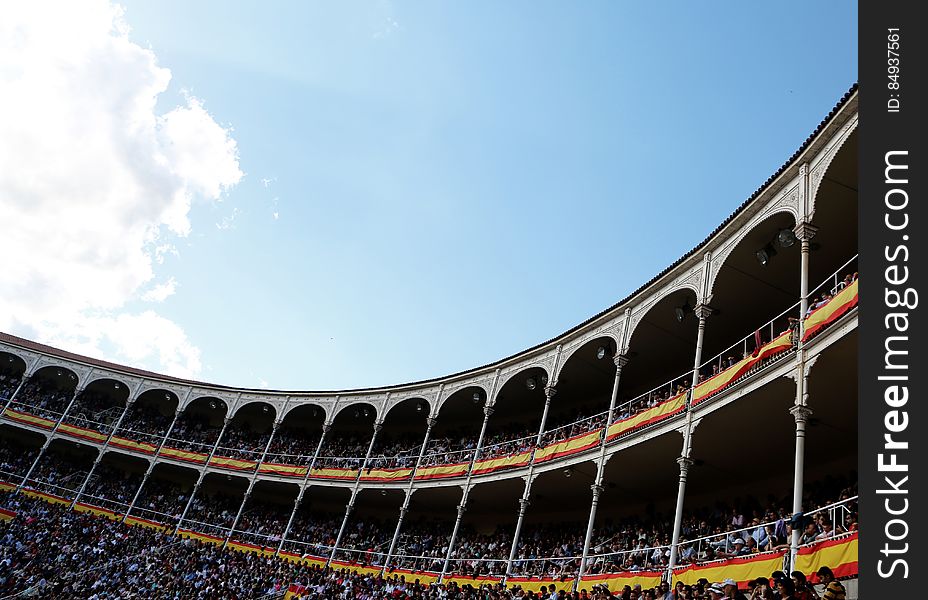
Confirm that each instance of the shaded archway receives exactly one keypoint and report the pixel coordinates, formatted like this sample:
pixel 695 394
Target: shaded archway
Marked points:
pixel 401 438
pixel 517 413
pixel 298 435
pixel 199 425
pixel 149 417
pixel 836 213
pixel 317 520
pixel 347 442
pixel 248 432
pixel 62 468
pixel 12 369
pixel 454 437
pixel 114 482
pixel 47 393
pixel 165 493
pixel 370 526
pixel 99 405
pixel 215 505
pixel 18 449
pixel 485 536
pixel 584 389
pixel 265 514
pixel 662 346
pixel 423 541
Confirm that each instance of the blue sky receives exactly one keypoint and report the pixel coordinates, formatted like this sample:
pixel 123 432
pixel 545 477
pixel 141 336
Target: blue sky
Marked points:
pixel 429 187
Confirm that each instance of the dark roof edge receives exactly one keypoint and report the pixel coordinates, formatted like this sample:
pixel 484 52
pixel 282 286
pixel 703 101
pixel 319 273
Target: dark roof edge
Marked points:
pixel 42 348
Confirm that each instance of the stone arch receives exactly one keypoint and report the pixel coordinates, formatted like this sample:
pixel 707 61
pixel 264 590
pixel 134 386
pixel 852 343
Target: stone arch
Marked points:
pixel 820 169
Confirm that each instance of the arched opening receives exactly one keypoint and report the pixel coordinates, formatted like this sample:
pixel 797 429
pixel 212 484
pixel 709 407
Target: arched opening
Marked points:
pixel 370 527
pixel 248 432
pixel 346 445
pixel 165 494
pixel 114 482
pixel 18 449
pixel 47 393
pixel 757 283
pixel 454 436
pixel 485 536
pixel 401 438
pixel 517 411
pixel 62 468
pixel 149 417
pixel 215 505
pixel 584 389
pixel 265 514
pixel 423 541
pixel 12 369
pixel 199 425
pixel 298 435
pixel 634 520
pixel 317 520
pixel 551 540
pixel 99 406
pixel 836 215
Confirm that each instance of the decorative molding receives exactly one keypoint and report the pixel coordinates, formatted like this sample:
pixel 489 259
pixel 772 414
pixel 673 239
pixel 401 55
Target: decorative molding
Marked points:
pixel 823 160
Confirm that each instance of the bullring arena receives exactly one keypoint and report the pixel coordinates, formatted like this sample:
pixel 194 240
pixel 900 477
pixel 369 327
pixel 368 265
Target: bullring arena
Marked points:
pixel 702 429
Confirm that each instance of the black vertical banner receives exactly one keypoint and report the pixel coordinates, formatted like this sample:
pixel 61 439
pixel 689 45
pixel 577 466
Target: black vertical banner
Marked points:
pixel 894 362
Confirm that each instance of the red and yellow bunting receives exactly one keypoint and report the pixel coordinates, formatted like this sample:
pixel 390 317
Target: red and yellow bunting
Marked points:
pixel 83 433
pixel 7 515
pixel 386 474
pixel 836 308
pixel 6 486
pixel 662 411
pixel 202 537
pixel 130 520
pixel 530 584
pixel 472 581
pixel 51 498
pixel 442 471
pixel 127 444
pixel 616 581
pixel 327 473
pixel 27 419
pixel 839 554
pixel 245 547
pixel 282 470
pixel 572 445
pixel 504 462
pixel 236 464
pixel 97 511
pixel 184 455
pixel 719 382
pixel 742 569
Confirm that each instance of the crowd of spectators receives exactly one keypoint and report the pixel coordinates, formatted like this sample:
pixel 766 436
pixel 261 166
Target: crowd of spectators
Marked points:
pixel 51 552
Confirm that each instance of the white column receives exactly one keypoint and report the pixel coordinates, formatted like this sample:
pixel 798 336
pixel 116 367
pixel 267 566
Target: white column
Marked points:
pixel 154 459
pixel 203 469
pixel 702 312
pixel 251 482
pixel 51 435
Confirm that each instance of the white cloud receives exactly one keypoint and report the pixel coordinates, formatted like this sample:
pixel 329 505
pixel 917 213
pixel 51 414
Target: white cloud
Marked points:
pixel 161 292
pixel 228 221
pixel 95 185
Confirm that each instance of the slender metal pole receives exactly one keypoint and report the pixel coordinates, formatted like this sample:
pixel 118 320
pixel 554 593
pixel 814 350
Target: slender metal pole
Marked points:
pixel 51 435
pixel 129 402
pixel 702 312
pixel 378 425
pixel 27 374
pixel 487 411
pixel 154 458
pixel 527 490
pixel 620 361
pixel 202 475
pixel 303 487
pixel 251 484
pixel 430 423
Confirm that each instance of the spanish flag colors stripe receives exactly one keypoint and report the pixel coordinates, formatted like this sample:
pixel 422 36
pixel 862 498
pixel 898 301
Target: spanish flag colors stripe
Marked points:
pixel 27 419
pixel 840 554
pixel 245 547
pixel 202 537
pixel 282 469
pixel 654 414
pixel 6 487
pixel 235 464
pixel 130 520
pixel 741 570
pixel 326 473
pixel 616 581
pixel 127 444
pixel 504 462
pixel 7 515
pixel 184 455
pixel 442 471
pixel 51 498
pixel 98 511
pixel 572 445
pixel 719 382
pixel 836 308
pixel 386 474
